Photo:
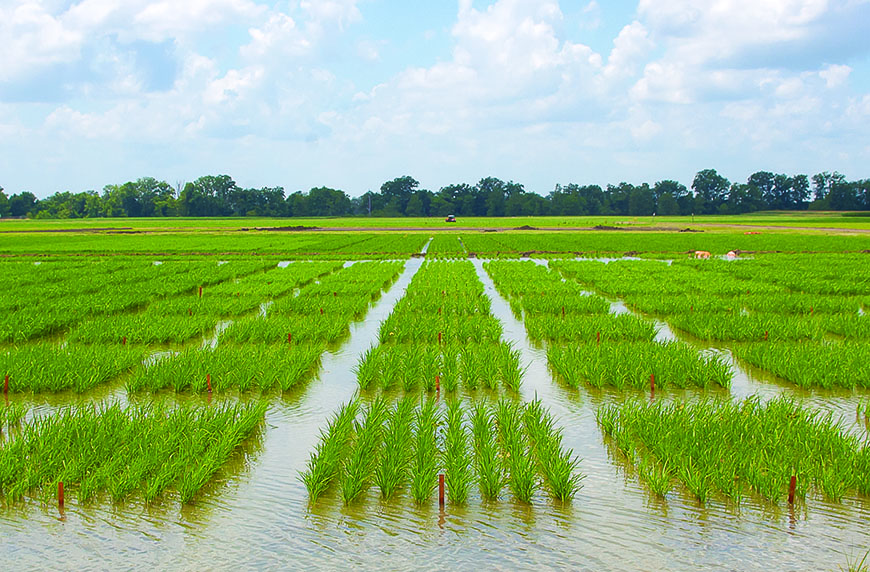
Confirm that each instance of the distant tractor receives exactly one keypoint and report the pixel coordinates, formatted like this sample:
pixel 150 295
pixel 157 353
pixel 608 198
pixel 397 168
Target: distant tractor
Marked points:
pixel 450 218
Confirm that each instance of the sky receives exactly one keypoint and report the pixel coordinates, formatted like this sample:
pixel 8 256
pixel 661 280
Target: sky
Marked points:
pixel 351 93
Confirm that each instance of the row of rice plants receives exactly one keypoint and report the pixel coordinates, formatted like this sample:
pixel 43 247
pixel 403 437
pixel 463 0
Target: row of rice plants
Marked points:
pixel 138 450
pixel 398 447
pixel 230 367
pixel 812 364
pixel 631 365
pixel 412 367
pixel 738 448
pixel 11 415
pixel 46 367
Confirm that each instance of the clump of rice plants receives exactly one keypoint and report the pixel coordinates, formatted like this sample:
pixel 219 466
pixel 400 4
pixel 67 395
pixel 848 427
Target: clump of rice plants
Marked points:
pixel 590 329
pixel 121 451
pixel 733 447
pixel 522 479
pixel 630 365
pixel 325 463
pixel 392 471
pixel 457 458
pixel 360 464
pixel 487 459
pixel 12 414
pixel 424 462
pixel 558 466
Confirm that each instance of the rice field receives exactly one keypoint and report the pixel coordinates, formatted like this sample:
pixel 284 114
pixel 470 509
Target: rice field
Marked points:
pixel 313 388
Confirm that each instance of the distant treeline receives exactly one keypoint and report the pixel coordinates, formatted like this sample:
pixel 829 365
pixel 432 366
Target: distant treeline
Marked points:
pixel 216 196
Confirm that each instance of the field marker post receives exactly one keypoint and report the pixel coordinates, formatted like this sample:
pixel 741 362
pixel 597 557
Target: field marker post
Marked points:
pixel 652 384
pixel 208 381
pixel 289 338
pixel 765 335
pixel 60 494
pixel 598 338
pixel 441 490
pixel 6 384
pixel 791 488
pixel 124 341
pixel 200 291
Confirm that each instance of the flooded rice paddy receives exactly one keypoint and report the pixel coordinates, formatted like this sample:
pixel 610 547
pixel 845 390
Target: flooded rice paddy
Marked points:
pixel 256 514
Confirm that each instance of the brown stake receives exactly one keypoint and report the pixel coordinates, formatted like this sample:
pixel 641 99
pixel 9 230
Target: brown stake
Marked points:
pixel 6 384
pixel 791 487
pixel 200 291
pixel 60 494
pixel 321 311
pixel 598 338
pixel 208 381
pixel 438 383
pixel 441 490
pixel 439 337
pixel 289 338
pixel 765 335
pixel 189 312
pixel 652 383
pixel 563 311
pixel 124 341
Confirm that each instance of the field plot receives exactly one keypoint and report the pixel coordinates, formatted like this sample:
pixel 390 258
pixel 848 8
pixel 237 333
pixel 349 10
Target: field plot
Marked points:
pixel 397 448
pixel 441 333
pixel 738 449
pixel 798 317
pixel 437 376
pixel 138 451
pixel 281 348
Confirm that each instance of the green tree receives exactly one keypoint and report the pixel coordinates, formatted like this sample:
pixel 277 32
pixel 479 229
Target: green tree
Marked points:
pixel 22 203
pixel 711 191
pixel 5 210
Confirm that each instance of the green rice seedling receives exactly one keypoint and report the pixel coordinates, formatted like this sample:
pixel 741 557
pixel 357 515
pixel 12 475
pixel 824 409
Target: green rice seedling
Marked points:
pixel 509 366
pixel 557 466
pixel 143 328
pixel 744 328
pixel 514 444
pixel 488 361
pixel 410 368
pixel 469 370
pixel 487 460
pixel 360 465
pixel 450 368
pixel 850 326
pixel 46 367
pixel 457 458
pixel 367 370
pixel 656 476
pixel 325 463
pixel 392 471
pixel 430 359
pixel 424 463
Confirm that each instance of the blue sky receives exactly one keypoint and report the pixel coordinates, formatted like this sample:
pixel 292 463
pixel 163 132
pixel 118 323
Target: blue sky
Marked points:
pixel 351 93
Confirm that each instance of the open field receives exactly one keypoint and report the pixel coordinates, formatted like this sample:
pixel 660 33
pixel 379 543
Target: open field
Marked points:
pixel 190 383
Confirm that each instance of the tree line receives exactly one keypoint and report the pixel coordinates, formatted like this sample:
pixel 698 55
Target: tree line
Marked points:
pixel 219 196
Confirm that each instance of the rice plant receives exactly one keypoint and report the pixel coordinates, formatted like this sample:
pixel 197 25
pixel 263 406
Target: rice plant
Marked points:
pixel 360 465
pixel 457 458
pixel 487 458
pixel 812 364
pixel 557 466
pixel 522 479
pixel 424 462
pixel 392 471
pixel 325 463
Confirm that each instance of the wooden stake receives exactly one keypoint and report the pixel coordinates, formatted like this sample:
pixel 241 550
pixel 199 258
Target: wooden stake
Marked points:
pixel 652 384
pixel 791 487
pixel 598 338
pixel 60 494
pixel 124 341
pixel 6 384
pixel 439 338
pixel 208 381
pixel 441 490
pixel 438 383
pixel 321 311
pixel 765 335
pixel 289 338
pixel 563 312
pixel 200 291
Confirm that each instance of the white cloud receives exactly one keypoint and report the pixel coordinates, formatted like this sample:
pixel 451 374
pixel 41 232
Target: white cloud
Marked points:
pixel 835 75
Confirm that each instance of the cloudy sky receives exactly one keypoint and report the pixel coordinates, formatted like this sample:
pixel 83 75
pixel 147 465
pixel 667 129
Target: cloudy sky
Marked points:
pixel 350 93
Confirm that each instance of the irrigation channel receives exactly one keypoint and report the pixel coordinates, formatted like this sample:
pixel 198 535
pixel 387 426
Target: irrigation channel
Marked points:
pixel 257 515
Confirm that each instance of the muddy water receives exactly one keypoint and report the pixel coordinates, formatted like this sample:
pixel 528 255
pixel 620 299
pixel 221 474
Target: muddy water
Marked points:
pixel 257 515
